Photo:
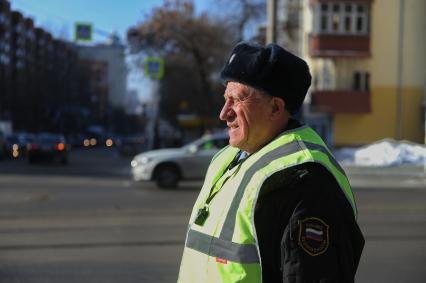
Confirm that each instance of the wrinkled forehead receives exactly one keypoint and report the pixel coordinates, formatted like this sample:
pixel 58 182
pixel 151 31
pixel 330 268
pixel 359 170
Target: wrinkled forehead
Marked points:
pixel 236 89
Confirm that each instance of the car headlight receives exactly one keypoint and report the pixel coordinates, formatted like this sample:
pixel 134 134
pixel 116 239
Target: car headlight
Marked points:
pixel 140 161
pixel 144 160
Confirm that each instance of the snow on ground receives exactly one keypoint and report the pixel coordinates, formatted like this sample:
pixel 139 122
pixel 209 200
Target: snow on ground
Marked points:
pixel 387 152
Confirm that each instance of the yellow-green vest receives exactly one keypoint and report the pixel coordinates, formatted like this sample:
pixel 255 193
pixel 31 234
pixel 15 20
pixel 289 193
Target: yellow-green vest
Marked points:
pixel 224 248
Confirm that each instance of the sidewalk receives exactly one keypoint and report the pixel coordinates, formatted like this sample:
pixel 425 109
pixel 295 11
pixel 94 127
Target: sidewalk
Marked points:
pixel 396 177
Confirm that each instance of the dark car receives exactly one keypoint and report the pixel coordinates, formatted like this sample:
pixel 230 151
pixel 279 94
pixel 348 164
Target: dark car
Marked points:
pixel 16 144
pixel 48 147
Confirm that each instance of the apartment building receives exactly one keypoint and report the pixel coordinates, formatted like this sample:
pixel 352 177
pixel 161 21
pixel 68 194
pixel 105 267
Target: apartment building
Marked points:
pixel 5 58
pixel 37 73
pixel 368 64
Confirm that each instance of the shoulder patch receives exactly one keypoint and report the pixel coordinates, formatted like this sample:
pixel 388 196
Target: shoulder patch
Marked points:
pixel 313 236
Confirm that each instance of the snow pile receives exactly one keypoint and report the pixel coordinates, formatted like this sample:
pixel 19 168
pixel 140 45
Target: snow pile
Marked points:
pixel 386 152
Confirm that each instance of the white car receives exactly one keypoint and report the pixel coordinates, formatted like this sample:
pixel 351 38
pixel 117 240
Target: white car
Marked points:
pixel 168 166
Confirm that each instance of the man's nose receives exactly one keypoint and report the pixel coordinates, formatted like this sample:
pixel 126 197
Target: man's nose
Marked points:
pixel 225 111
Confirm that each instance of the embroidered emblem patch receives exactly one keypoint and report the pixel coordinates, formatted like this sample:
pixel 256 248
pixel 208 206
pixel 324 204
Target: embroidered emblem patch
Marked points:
pixel 313 236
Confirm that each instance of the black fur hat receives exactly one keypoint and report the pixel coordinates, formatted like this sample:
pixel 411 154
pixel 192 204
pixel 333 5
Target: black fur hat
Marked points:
pixel 271 69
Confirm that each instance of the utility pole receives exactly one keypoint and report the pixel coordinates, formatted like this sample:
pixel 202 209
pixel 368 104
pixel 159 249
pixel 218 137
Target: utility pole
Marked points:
pixel 424 123
pixel 271 33
pixel 154 69
pixel 399 94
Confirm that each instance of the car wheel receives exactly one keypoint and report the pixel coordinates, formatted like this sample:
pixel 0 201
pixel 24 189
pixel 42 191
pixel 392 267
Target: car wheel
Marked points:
pixel 167 176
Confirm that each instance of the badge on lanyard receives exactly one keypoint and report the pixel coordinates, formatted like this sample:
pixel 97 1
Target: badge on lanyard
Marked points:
pixel 202 215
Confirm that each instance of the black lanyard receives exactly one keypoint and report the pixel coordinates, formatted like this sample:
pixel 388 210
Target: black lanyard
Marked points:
pixel 203 212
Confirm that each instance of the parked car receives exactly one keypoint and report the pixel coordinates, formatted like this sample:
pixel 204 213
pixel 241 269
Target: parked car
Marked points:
pixel 16 144
pixel 168 166
pixel 48 146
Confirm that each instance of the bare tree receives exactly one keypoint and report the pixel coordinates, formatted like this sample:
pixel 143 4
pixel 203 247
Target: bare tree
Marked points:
pixel 241 14
pixel 194 46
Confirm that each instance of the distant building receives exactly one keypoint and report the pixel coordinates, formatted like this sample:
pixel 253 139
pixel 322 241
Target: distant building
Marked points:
pixel 5 59
pixel 114 58
pixel 33 69
pixel 94 87
pixel 367 60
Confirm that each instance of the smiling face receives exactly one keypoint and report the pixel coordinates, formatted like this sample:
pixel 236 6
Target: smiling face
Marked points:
pixel 248 114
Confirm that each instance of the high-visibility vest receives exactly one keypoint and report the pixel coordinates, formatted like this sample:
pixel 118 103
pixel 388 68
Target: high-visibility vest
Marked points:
pixel 225 247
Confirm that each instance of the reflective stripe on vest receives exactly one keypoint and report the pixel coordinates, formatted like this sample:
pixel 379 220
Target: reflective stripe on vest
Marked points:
pixel 220 248
pixel 291 148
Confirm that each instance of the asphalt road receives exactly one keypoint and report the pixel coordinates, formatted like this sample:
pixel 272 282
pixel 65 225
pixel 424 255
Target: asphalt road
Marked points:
pixel 87 222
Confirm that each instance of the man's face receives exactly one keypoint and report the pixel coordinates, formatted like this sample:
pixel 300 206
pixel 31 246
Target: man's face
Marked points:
pixel 246 112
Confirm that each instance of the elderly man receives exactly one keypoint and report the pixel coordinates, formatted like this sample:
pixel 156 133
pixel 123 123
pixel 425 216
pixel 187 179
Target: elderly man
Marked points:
pixel 275 205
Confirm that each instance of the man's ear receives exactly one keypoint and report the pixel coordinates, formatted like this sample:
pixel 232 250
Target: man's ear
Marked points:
pixel 278 108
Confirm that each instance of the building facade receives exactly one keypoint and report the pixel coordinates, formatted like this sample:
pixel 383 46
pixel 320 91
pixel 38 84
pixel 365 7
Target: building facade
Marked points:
pixel 5 58
pixel 38 85
pixel 114 58
pixel 368 64
pixel 94 86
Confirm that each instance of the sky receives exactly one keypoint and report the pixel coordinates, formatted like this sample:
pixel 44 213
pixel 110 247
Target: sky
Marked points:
pixel 60 16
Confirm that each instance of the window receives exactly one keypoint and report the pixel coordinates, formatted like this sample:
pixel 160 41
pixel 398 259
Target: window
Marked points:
pixel 20 41
pixel 336 22
pixel 361 81
pixel 324 22
pixel 30 35
pixel 347 27
pixel 359 24
pixel 19 28
pixel 348 8
pixel 6 47
pixel 19 65
pixel 341 18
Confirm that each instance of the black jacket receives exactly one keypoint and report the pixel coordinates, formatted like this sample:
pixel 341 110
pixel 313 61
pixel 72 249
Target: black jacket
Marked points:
pixel 306 228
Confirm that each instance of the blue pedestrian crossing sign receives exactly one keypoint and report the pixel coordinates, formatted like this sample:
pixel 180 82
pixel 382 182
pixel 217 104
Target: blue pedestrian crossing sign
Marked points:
pixel 83 32
pixel 154 67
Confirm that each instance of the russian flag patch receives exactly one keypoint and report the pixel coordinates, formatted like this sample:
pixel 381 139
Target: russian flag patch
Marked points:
pixel 313 236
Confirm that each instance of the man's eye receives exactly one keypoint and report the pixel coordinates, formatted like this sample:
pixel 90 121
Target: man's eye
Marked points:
pixel 236 100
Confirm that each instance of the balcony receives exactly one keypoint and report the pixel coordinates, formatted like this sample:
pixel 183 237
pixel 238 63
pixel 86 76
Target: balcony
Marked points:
pixel 341 46
pixel 341 101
